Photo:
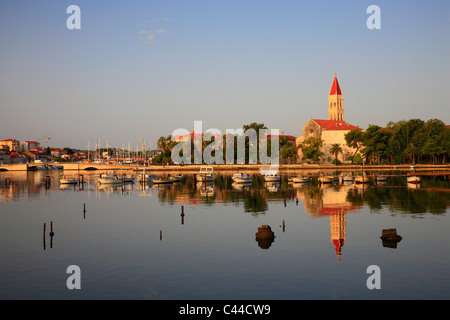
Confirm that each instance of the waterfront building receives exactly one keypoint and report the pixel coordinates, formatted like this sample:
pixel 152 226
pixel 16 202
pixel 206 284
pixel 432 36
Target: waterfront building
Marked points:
pixel 28 145
pixel 331 131
pixel 12 144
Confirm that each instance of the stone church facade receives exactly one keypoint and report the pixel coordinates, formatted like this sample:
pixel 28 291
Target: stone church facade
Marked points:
pixel 331 131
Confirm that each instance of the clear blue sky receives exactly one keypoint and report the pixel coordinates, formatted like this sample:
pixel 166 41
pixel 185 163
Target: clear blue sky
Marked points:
pixel 143 68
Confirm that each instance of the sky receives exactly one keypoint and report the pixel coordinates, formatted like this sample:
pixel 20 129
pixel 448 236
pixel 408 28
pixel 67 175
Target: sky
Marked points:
pixel 144 68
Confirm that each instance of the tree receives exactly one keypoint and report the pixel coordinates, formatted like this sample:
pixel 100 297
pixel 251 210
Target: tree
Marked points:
pixel 354 139
pixel 311 148
pixel 165 144
pixel 412 151
pixel 335 149
pixel 288 149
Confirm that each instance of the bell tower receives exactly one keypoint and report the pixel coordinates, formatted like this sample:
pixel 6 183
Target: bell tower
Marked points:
pixel 335 102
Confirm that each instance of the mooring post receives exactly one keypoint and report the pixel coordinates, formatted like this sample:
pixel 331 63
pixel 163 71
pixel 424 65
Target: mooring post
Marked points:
pixel 44 236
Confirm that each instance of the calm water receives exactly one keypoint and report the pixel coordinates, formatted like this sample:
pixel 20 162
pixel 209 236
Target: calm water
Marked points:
pixel 132 242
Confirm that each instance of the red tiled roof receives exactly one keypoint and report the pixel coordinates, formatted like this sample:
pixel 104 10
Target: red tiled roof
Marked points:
pixel 335 87
pixel 335 125
pixel 282 135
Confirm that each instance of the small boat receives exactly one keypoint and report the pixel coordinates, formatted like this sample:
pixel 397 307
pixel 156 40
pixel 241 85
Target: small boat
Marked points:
pixel 300 179
pixel 147 177
pixel 362 179
pixel 109 180
pixel 326 179
pixel 271 177
pixel 68 180
pixel 108 174
pixel 162 181
pixel 413 179
pixel 241 177
pixel 176 178
pixel 205 174
pixel 128 178
pixel 381 177
pixel 348 178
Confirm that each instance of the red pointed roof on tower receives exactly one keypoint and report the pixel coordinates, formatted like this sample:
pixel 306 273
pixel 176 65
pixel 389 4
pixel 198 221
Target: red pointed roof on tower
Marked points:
pixel 335 89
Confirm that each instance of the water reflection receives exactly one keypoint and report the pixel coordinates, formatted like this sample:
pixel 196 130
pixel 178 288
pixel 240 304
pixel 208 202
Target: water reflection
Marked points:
pixel 318 199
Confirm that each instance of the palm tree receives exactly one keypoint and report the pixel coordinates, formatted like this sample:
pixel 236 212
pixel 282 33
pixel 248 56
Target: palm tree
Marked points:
pixel 336 149
pixel 411 151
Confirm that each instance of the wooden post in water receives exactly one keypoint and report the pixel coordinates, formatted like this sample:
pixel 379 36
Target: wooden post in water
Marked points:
pixel 44 236
pixel 47 182
pixel 51 234
pixel 182 214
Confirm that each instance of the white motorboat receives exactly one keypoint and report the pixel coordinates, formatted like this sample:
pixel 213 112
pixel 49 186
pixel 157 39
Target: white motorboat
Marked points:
pixel 108 174
pixel 128 178
pixel 362 179
pixel 241 177
pixel 109 180
pixel 176 178
pixel 68 180
pixel 348 178
pixel 326 179
pixel 413 179
pixel 300 179
pixel 162 181
pixel 147 177
pixel 271 177
pixel 205 174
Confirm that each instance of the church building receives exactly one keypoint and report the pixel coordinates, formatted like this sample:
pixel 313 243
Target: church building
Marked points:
pixel 331 131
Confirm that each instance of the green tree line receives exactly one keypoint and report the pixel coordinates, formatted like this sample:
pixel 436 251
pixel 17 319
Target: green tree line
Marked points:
pixel 288 149
pixel 413 141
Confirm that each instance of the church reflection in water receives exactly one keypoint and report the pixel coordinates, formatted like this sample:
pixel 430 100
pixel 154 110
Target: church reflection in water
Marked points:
pixel 333 202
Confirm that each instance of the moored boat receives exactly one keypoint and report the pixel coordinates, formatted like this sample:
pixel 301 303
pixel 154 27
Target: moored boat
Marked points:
pixel 109 180
pixel 413 179
pixel 162 181
pixel 147 177
pixel 362 179
pixel 300 179
pixel 68 180
pixel 326 179
pixel 205 174
pixel 271 177
pixel 348 178
pixel 241 177
pixel 176 178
